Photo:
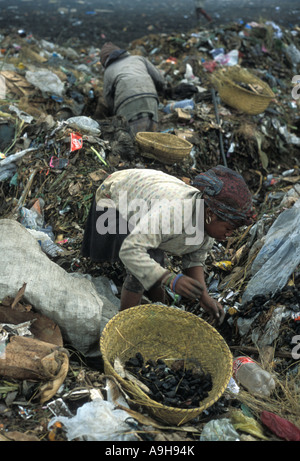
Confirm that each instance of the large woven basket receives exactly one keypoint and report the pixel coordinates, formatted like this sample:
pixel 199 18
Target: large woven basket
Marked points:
pixel 165 147
pixel 168 333
pixel 253 100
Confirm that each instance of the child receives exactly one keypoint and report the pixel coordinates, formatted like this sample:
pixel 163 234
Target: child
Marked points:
pixel 139 214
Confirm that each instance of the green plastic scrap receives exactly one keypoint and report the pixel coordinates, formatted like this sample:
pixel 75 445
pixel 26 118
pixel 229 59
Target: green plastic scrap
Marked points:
pixel 99 156
pixel 14 180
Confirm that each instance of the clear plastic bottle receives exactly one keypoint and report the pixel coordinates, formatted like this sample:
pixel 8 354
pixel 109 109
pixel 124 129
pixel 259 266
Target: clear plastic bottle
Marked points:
pixel 254 378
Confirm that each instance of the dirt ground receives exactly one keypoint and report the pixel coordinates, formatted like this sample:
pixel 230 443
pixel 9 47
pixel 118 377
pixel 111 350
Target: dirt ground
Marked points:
pixel 121 21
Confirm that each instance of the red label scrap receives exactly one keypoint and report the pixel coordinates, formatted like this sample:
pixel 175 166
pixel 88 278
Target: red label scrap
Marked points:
pixel 76 141
pixel 238 362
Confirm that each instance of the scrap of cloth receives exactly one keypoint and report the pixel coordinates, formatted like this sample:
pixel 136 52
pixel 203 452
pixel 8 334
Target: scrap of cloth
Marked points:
pixel 226 194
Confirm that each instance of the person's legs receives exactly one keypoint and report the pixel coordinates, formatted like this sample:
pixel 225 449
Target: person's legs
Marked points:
pixel 142 124
pixel 129 299
pixel 132 290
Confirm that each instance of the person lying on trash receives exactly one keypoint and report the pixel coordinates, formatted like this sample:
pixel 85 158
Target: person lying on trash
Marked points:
pixel 130 87
pixel 139 214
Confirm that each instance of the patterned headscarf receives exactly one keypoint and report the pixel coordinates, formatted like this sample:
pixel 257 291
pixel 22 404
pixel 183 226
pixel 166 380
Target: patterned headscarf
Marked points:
pixel 226 194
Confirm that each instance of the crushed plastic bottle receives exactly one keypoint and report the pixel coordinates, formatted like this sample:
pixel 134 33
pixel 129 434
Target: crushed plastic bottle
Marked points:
pixel 187 104
pixel 254 378
pixel 50 248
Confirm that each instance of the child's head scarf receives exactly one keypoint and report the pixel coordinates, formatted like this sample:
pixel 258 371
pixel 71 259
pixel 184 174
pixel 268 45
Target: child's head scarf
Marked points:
pixel 226 194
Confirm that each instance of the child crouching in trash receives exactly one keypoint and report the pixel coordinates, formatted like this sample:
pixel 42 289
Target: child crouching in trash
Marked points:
pixel 138 215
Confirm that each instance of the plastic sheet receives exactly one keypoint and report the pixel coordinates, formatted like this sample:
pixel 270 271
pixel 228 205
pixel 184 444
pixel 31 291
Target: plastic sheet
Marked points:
pixel 46 81
pixel 279 256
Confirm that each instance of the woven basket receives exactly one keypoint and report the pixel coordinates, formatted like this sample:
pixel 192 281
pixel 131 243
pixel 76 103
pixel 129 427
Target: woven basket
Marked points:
pixel 170 334
pixel 165 147
pixel 228 85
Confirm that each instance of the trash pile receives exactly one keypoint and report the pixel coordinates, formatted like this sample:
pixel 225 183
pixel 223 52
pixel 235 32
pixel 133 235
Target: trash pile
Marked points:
pixel 57 145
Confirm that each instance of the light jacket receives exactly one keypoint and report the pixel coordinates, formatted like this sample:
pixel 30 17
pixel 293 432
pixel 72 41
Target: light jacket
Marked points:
pixel 162 221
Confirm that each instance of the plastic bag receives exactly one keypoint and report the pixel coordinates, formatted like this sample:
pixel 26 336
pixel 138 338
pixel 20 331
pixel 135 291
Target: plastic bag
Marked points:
pixel 8 172
pixel 229 59
pixel 83 123
pixel 293 54
pixel 219 430
pixel 270 332
pixel 247 424
pixel 279 256
pixel 98 420
pixel 46 81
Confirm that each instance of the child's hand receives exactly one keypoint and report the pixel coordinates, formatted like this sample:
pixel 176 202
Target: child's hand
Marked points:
pixel 188 287
pixel 213 307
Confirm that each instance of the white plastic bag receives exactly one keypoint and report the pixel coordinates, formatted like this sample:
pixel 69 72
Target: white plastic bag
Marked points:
pixel 83 123
pixel 46 81
pixel 97 420
pixel 229 59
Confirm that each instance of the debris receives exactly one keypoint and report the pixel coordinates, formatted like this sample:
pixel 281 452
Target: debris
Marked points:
pixel 247 424
pixel 58 142
pixel 280 426
pixel 172 386
pixel 115 424
pixel 278 258
pixel 257 380
pixel 219 430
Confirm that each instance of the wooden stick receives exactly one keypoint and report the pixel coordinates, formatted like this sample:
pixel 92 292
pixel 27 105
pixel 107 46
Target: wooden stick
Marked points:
pixel 254 350
pixel 26 189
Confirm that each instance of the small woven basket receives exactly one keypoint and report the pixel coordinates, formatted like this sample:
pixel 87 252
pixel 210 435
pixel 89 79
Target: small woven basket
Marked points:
pixel 168 333
pixel 165 147
pixel 228 84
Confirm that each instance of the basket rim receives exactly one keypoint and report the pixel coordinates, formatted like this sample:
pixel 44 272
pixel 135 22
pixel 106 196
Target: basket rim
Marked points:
pixel 141 138
pixel 145 399
pixel 224 79
pixel 244 90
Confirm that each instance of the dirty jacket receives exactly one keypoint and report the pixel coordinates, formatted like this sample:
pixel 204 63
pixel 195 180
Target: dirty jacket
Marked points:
pixel 128 78
pixel 152 204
